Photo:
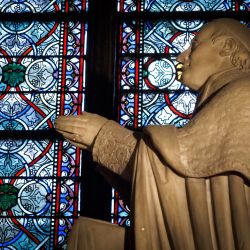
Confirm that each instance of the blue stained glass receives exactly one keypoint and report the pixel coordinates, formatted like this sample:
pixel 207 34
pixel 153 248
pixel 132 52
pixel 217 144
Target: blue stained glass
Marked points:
pixel 156 74
pixel 27 111
pixel 169 36
pixel 160 74
pixel 157 111
pixel 127 110
pixel 181 6
pixel 44 6
pixel 43 66
pixel 19 240
pixel 127 73
pixel 36 39
pixel 175 5
pixel 120 211
pixel 245 6
pixel 128 42
pixel 34 111
pixel 73 103
pixel 126 5
pixel 45 201
pixel 40 63
pixel 75 36
pixel 159 36
pixel 157 108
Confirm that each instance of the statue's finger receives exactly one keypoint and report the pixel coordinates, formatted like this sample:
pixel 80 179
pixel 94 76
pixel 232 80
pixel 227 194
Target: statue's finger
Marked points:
pixel 72 117
pixel 63 126
pixel 65 122
pixel 60 123
pixel 65 119
pixel 72 137
pixel 79 145
pixel 60 131
pixel 71 129
pixel 70 120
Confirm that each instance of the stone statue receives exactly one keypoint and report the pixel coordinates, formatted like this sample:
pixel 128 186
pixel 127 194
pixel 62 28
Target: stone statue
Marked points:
pixel 190 185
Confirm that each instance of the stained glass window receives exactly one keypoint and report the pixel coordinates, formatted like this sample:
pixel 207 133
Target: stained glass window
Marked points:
pixel 176 5
pixel 42 75
pixel 44 6
pixel 148 89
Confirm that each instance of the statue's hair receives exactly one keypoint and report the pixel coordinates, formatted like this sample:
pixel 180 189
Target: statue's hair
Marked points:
pixel 240 55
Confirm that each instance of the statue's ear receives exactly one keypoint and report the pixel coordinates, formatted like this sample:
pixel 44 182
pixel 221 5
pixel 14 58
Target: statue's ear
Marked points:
pixel 228 46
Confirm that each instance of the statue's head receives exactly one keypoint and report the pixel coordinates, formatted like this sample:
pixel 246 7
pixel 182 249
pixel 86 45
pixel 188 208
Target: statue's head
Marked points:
pixel 221 45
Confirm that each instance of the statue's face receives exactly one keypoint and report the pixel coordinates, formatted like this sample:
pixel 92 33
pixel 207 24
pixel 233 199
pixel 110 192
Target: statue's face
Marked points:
pixel 201 60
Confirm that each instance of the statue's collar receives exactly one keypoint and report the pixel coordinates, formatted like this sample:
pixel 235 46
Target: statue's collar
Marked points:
pixel 216 82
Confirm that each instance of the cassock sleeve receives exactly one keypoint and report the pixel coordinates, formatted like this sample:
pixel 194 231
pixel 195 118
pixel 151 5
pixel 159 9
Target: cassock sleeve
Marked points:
pixel 216 140
pixel 113 149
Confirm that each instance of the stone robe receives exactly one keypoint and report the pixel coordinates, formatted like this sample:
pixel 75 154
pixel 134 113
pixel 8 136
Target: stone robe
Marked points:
pixel 190 185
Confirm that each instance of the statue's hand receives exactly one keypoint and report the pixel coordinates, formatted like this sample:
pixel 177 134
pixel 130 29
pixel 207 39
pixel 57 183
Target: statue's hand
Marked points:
pixel 80 130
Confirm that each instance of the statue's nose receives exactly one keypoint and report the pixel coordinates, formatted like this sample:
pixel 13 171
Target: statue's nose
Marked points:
pixel 182 57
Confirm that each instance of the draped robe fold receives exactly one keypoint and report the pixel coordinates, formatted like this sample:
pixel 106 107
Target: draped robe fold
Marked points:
pixel 190 185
